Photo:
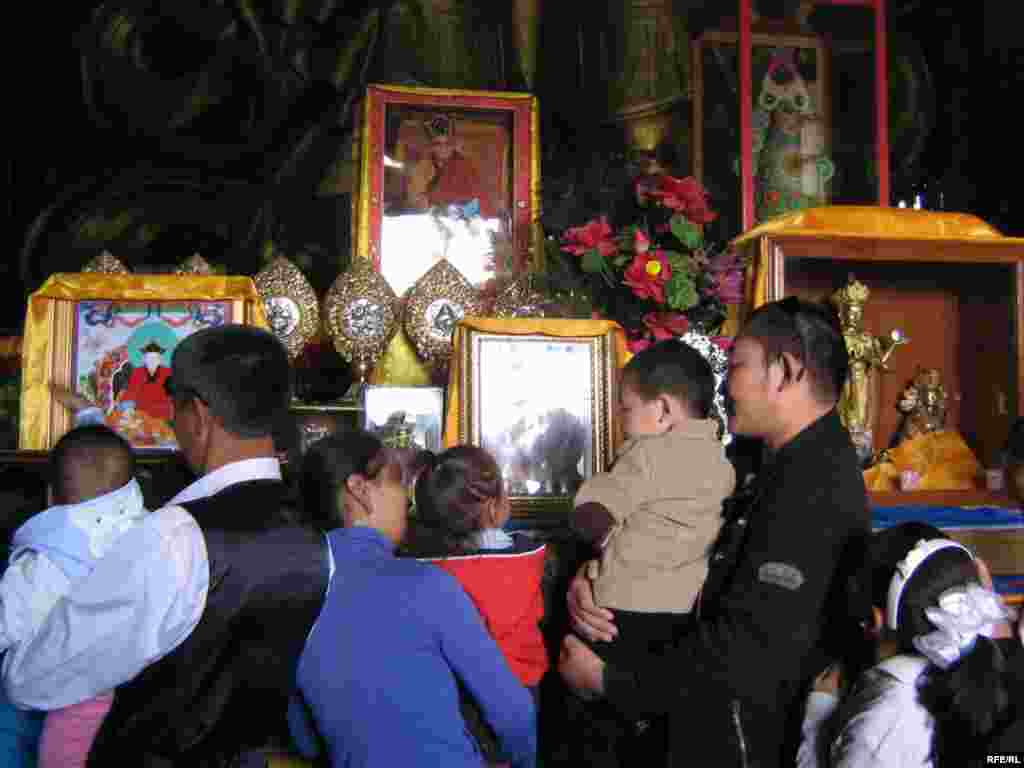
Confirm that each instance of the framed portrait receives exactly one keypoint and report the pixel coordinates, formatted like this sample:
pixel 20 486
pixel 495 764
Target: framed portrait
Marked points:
pixel 791 121
pixel 542 405
pixel 312 422
pixel 110 338
pixel 445 174
pixel 405 417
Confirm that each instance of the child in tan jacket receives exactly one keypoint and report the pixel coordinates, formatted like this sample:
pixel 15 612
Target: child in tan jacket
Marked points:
pixel 655 515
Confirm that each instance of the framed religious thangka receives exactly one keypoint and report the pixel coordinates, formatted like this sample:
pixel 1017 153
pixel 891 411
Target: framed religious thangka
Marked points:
pixel 538 394
pixel 445 174
pixel 110 338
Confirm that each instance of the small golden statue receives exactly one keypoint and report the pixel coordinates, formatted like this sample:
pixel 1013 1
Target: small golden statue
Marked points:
pixel 924 403
pixel 858 405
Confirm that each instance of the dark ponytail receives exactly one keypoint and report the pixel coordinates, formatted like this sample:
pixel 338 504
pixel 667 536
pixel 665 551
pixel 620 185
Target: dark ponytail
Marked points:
pixel 326 467
pixel 452 491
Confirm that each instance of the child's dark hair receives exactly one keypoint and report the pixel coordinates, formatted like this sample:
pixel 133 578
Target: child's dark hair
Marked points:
pixel 89 461
pixel 672 367
pixel 452 491
pixel 970 698
pixel 326 467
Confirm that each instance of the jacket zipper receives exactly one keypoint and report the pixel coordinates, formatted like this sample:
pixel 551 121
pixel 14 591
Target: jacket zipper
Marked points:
pixel 738 725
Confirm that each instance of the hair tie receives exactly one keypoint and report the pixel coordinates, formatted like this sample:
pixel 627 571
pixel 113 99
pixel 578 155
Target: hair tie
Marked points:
pixel 962 614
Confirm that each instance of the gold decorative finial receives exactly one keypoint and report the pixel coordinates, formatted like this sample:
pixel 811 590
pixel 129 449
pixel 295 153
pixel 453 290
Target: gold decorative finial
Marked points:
pixel 106 263
pixel 194 265
pixel 853 293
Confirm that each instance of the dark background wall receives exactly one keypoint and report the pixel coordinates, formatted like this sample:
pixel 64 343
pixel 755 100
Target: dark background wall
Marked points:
pixel 55 151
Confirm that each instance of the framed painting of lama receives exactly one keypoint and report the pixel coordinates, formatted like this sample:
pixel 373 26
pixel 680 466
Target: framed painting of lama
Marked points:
pixel 110 339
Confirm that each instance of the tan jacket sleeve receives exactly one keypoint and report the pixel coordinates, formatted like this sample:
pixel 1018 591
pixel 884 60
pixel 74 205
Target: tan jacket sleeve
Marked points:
pixel 624 488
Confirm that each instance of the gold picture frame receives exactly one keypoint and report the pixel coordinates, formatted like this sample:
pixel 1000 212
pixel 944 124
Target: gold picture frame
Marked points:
pixel 548 431
pixel 86 329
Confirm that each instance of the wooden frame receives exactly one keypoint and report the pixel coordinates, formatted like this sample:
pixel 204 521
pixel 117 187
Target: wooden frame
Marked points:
pixel 85 332
pixel 403 223
pixel 960 302
pixel 762 42
pixel 549 431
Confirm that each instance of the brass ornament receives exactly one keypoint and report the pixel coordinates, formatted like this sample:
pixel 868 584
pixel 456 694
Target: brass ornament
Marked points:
pixel 194 265
pixel 106 263
pixel 434 306
pixel 290 303
pixel 520 299
pixel 361 313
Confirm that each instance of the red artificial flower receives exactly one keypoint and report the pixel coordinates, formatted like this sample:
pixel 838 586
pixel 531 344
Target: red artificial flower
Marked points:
pixel 594 234
pixel 685 196
pixel 647 276
pixel 724 343
pixel 666 325
pixel 637 344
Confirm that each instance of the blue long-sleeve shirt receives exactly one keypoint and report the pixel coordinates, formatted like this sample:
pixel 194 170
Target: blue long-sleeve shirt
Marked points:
pixel 378 674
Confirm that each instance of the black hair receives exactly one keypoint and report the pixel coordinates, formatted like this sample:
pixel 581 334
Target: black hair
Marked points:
pixel 326 467
pixel 241 372
pixel 970 698
pixel 811 334
pixel 89 461
pixel 451 493
pixel 672 367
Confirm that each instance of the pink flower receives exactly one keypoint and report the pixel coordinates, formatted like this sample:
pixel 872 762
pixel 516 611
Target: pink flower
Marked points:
pixel 594 234
pixel 666 325
pixel 641 243
pixel 647 276
pixel 724 343
pixel 638 344
pixel 727 273
pixel 686 196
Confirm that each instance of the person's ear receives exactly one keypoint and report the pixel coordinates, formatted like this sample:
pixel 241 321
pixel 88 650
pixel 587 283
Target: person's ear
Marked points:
pixel 796 370
pixel 357 504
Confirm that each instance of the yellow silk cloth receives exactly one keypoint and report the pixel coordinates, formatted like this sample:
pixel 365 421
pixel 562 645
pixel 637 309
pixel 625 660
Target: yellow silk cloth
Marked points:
pixel 867 222
pixel 555 328
pixel 46 339
pixel 942 459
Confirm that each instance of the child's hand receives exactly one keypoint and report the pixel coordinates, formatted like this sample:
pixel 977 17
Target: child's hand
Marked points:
pixel 829 680
pixel 73 401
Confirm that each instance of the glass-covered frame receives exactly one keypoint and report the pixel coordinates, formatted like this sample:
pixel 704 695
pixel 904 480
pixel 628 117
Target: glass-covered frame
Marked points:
pixel 544 406
pixel 407 215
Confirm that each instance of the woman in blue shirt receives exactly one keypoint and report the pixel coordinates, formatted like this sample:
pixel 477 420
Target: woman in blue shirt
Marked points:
pixel 380 672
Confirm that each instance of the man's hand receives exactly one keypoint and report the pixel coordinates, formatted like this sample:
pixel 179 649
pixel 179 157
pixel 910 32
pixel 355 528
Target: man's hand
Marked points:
pixel 590 620
pixel 70 400
pixel 581 668
pixel 829 680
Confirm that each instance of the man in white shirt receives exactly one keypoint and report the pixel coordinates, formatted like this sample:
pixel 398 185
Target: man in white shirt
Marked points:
pixel 205 605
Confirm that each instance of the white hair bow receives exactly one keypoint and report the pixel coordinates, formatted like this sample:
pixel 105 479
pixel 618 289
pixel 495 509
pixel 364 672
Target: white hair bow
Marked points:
pixel 962 614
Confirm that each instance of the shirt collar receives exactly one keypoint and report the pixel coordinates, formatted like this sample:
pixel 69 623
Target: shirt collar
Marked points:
pixel 905 667
pixel 126 500
pixel 813 433
pixel 492 538
pixel 264 468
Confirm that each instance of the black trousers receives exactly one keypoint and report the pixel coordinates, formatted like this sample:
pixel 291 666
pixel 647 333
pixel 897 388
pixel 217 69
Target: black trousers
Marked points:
pixel 606 739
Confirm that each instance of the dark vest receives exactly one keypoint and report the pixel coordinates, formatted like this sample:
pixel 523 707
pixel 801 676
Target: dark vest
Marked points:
pixel 226 687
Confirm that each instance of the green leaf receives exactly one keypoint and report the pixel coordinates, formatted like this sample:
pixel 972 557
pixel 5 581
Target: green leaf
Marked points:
pixel 593 261
pixel 622 260
pixel 686 232
pixel 680 291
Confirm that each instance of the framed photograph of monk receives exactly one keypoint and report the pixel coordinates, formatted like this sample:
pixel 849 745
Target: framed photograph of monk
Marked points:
pixel 110 338
pixel 446 175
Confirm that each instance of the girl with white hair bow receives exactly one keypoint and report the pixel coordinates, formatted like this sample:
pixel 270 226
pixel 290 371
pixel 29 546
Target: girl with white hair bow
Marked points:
pixel 941 687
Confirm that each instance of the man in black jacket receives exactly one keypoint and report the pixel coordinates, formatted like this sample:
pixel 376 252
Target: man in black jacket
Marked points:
pixel 732 686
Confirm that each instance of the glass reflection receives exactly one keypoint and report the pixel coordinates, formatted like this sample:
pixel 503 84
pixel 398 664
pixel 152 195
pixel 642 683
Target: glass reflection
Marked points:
pixel 535 406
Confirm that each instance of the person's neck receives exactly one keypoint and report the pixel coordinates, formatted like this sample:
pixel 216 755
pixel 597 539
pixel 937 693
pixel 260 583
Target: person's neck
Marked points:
pixel 232 449
pixel 800 420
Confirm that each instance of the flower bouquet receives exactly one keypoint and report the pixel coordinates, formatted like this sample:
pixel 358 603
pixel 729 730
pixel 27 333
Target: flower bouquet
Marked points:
pixel 655 276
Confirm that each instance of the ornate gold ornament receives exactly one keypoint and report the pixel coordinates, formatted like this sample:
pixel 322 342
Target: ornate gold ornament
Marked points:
pixel 290 303
pixel 520 299
pixel 194 265
pixel 435 304
pixel 361 313
pixel 106 262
